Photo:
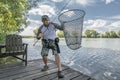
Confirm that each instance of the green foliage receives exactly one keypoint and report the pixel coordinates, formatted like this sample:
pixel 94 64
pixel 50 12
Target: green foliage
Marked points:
pixel 118 34
pixel 60 34
pixel 7 60
pixel 91 34
pixel 27 36
pixel 12 16
pixel 107 34
pixel 88 33
pixel 113 34
pixel 110 34
pixel 35 31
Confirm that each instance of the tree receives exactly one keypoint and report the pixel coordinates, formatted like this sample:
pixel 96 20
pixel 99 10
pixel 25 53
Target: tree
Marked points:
pixel 35 31
pixel 118 34
pixel 91 34
pixel 60 34
pixel 107 34
pixel 12 16
pixel 88 33
pixel 103 36
pixel 113 34
pixel 94 34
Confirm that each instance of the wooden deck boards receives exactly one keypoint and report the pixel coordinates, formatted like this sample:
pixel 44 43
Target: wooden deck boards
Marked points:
pixel 17 71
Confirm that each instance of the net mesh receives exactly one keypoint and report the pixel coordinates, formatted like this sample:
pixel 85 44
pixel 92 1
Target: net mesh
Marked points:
pixel 72 22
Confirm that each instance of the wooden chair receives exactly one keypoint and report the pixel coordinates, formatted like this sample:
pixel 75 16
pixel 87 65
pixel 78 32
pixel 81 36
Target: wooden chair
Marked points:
pixel 15 47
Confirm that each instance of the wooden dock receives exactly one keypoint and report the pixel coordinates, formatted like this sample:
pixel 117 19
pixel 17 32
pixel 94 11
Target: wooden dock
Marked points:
pixel 17 71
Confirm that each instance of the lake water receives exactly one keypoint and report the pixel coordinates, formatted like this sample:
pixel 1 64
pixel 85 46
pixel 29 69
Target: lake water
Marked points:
pixel 111 43
pixel 98 57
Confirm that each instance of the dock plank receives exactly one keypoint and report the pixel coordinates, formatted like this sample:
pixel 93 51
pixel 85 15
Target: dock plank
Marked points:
pixel 17 71
pixel 50 76
pixel 24 72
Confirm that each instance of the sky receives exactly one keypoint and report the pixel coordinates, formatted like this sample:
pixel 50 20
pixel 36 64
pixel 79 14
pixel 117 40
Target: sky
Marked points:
pixel 101 15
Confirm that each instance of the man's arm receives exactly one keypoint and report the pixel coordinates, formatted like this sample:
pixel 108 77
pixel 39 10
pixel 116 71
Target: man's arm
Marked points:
pixel 57 26
pixel 39 33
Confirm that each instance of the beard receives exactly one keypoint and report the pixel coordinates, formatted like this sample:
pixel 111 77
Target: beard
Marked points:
pixel 46 24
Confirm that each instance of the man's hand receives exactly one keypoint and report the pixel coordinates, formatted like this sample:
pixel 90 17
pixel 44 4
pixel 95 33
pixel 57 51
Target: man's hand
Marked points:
pixel 35 43
pixel 40 36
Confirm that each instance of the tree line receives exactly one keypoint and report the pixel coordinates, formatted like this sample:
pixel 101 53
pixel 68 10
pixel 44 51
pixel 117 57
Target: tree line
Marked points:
pixel 95 34
pixel 90 34
pixel 107 34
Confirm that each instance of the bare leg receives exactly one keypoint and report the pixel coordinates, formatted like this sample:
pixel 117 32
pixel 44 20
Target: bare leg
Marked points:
pixel 57 59
pixel 45 60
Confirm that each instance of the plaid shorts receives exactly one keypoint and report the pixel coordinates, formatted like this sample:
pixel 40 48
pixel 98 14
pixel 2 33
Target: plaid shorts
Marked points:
pixel 49 44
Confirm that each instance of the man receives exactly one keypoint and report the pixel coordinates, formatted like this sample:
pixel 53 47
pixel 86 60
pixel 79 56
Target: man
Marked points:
pixel 47 32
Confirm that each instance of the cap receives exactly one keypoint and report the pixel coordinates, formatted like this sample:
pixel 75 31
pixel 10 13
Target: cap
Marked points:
pixel 45 18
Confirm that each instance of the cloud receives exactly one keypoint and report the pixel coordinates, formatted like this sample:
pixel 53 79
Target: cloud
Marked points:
pixel 49 7
pixel 34 21
pixel 28 31
pixel 57 0
pixel 90 2
pixel 108 1
pixel 43 10
pixel 116 24
pixel 115 17
pixel 101 25
pixel 96 23
pixel 84 2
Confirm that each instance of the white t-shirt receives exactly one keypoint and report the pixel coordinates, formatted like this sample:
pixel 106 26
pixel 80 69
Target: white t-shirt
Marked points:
pixel 49 32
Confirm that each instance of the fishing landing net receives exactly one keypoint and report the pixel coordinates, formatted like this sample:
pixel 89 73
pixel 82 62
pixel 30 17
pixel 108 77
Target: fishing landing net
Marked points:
pixel 72 22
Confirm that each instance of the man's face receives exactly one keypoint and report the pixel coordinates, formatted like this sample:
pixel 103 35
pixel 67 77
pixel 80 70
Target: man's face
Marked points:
pixel 46 23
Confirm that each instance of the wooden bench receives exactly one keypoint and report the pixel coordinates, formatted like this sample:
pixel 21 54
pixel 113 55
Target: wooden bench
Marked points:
pixel 14 47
